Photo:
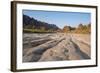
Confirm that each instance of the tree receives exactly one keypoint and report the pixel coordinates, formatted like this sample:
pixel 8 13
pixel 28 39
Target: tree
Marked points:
pixel 66 28
pixel 80 26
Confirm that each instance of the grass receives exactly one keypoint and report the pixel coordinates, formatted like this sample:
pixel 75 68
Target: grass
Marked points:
pixel 82 31
pixel 36 31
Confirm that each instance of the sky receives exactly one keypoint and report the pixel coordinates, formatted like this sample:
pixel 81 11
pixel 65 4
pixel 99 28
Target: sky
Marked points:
pixel 60 19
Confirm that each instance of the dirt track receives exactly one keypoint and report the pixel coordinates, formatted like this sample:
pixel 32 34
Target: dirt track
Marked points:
pixel 56 47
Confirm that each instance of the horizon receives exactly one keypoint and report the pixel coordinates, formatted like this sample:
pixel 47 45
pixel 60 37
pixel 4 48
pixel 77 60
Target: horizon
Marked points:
pixel 60 19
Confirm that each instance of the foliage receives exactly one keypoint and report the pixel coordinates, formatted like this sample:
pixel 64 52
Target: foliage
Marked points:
pixel 83 29
pixel 31 25
pixel 80 29
pixel 37 31
pixel 66 28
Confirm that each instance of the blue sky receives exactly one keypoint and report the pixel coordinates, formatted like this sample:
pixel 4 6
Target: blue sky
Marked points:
pixel 60 18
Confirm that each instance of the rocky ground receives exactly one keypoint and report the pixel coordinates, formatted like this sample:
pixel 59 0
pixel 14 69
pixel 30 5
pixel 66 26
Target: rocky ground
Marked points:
pixel 56 47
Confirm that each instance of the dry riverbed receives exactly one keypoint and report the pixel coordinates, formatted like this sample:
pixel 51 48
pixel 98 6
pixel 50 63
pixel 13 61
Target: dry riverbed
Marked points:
pixel 56 47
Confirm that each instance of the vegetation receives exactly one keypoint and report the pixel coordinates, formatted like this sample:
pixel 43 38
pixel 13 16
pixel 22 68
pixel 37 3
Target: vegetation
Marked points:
pixel 37 31
pixel 83 28
pixel 80 29
pixel 31 25
pixel 66 29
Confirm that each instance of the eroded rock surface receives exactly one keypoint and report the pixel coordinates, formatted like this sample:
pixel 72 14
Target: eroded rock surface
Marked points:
pixel 56 47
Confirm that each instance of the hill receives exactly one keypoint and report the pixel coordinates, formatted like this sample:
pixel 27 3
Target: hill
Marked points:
pixel 34 25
